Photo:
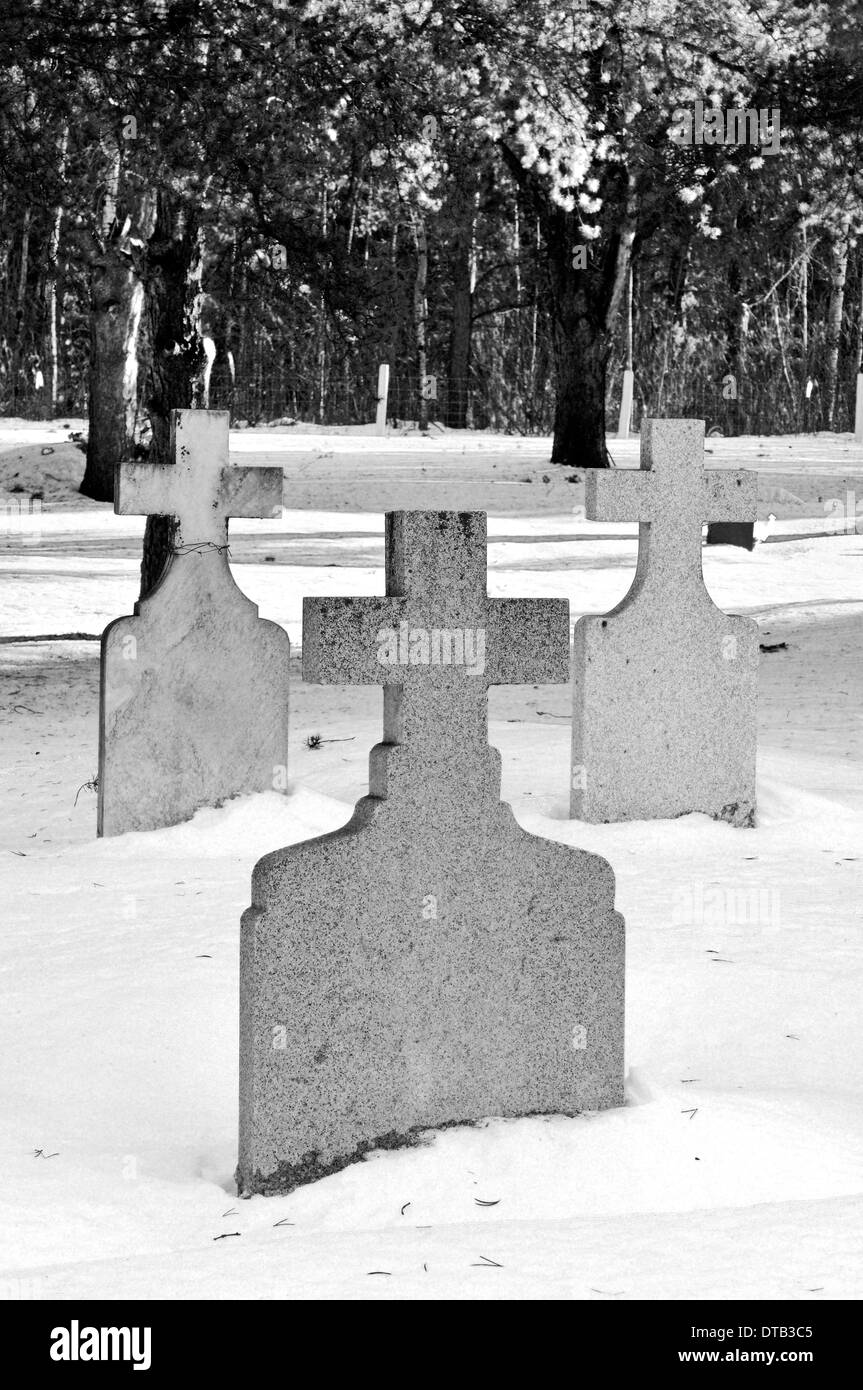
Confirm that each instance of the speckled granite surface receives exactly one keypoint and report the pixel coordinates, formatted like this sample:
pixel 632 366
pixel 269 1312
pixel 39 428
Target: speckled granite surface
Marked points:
pixel 194 686
pixel 430 963
pixel 665 685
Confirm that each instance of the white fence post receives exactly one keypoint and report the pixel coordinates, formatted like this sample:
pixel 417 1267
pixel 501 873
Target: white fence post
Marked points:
pixel 858 413
pixel 383 392
pixel 625 404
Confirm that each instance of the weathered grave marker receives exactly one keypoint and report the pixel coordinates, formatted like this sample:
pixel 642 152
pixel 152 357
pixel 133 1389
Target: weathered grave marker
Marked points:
pixel 194 688
pixel 666 683
pixel 430 963
pixel 740 533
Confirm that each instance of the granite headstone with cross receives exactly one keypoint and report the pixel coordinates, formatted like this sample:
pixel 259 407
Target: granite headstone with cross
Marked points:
pixel 665 685
pixel 431 963
pixel 194 690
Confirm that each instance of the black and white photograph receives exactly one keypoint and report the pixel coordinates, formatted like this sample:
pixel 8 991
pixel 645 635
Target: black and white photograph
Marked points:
pixel 431 665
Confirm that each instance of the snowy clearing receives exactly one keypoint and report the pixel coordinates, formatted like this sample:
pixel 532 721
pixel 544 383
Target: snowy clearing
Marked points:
pixel 735 1169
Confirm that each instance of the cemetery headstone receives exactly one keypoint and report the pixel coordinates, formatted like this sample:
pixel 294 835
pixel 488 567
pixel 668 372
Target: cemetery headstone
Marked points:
pixel 665 685
pixel 194 686
pixel 430 963
pixel 740 533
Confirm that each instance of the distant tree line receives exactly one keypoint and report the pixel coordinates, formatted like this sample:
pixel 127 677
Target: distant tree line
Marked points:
pixel 255 203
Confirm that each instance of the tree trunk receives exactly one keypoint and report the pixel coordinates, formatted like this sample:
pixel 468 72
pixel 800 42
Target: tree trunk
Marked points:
pixel 858 354
pixel 627 323
pixel 581 364
pixel 463 261
pixel 174 348
pixel 835 310
pixel 421 314
pixel 322 325
pixel 460 341
pixel 19 341
pixel 116 299
pixel 740 533
pixel 859 332
pixel 51 276
pixel 237 341
pixel 586 293
pixel 534 410
pixel 803 399
pixel 584 302
pixel 737 313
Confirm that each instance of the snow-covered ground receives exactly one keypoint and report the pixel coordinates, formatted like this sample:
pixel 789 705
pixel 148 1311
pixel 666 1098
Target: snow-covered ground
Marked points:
pixel 736 1168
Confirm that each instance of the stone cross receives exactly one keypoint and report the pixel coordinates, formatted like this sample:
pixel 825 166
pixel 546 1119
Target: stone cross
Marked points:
pixel 671 495
pixel 193 705
pixel 665 684
pixel 430 963
pixel 436 643
pixel 199 488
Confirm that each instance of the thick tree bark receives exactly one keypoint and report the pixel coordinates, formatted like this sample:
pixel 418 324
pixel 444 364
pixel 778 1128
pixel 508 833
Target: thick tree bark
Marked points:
pixel 585 302
pixel 858 351
pixel 116 299
pixel 174 349
pixel 322 323
pixel 581 366
pixel 585 294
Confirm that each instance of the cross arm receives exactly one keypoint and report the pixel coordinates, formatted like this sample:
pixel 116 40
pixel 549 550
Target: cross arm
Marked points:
pixel 166 489
pixel 618 494
pixel 730 494
pixel 527 641
pixel 340 640
pixel 147 489
pixel 252 491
